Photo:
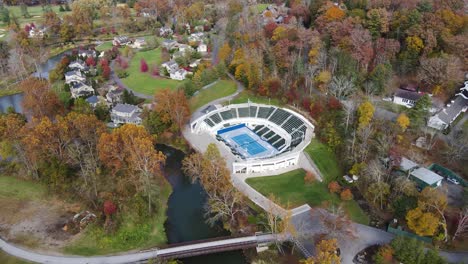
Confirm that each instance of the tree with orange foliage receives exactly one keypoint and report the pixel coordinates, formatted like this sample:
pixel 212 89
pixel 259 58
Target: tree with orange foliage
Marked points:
pixel 334 13
pixel 334 187
pixel 39 100
pixel 173 107
pixel 130 149
pixel 309 177
pixel 346 195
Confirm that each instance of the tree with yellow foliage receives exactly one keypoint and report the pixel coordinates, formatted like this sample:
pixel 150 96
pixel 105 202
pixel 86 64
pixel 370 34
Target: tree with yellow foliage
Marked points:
pixel 414 44
pixel 279 33
pixel 366 112
pixel 422 223
pixel 403 121
pixel 326 253
pixel 224 52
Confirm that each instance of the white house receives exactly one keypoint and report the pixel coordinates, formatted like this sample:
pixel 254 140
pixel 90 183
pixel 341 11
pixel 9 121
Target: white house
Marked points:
pixel 80 89
pixel 196 36
pixel 114 95
pixel 36 32
pixel 171 66
pixel 448 114
pixel 195 63
pixel 78 65
pixel 184 48
pixel 406 98
pixel 165 32
pixel 169 44
pixel 180 74
pixel 74 76
pixel 86 53
pixel 126 113
pixel 138 43
pixel 202 48
pixel 120 41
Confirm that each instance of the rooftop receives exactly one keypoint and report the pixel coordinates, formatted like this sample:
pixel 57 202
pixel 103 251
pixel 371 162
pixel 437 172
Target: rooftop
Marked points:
pixel 125 108
pixel 448 114
pixel 426 175
pixel 410 95
pixel 407 164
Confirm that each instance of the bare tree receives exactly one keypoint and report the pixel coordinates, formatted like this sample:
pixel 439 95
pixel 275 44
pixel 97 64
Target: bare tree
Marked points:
pixel 341 86
pixel 462 227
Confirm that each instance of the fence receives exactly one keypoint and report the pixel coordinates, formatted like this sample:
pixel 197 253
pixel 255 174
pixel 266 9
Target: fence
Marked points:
pixel 446 173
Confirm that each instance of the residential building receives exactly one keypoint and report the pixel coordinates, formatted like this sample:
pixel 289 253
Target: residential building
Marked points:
pixel 94 100
pixel 35 32
pixel 196 36
pixel 202 48
pixel 80 89
pixel 74 76
pixel 114 95
pixel 171 66
pixel 165 32
pixel 179 74
pixel 78 65
pixel 86 53
pixel 195 63
pixel 169 44
pixel 406 98
pixel 426 178
pixel 184 48
pixel 407 165
pixel 138 43
pixel 126 113
pixel 448 114
pixel 121 41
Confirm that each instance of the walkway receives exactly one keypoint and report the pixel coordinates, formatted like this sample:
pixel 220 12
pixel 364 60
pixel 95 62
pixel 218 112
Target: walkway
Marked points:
pixel 172 252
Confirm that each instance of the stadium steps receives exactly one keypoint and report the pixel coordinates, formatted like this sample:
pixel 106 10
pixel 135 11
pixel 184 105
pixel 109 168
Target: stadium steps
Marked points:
pixel 269 134
pixel 279 144
pixel 273 139
pixel 216 118
pixel 209 122
pixel 257 128
pixel 263 131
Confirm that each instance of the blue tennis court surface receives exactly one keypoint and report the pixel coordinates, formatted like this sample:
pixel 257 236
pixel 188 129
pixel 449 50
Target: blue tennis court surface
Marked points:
pixel 249 144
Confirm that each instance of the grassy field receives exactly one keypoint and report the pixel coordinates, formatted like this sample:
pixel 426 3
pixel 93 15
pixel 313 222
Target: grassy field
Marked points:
pixel 104 46
pixel 324 159
pixel 132 234
pixel 144 82
pixel 7 259
pixel 14 188
pixel 220 89
pixel 245 95
pixel 261 7
pixel 290 191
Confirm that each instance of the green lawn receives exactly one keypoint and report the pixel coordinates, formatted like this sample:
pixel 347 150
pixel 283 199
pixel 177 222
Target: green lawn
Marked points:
pixel 133 232
pixel 7 259
pixel 261 7
pixel 14 188
pixel 290 191
pixel 245 95
pixel 104 46
pixel 324 159
pixel 220 89
pixel 144 82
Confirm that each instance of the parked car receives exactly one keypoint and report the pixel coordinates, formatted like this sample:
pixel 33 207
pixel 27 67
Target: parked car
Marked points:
pixel 454 181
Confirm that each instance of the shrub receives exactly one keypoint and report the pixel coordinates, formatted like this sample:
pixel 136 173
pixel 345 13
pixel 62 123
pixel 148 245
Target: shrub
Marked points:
pixel 143 66
pixel 309 177
pixel 346 195
pixel 334 187
pixel 384 255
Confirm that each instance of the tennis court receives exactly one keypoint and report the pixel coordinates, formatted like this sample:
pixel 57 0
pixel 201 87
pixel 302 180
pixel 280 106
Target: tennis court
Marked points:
pixel 248 144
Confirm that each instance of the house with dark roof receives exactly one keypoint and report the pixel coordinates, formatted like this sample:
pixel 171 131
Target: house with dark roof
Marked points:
pixel 406 97
pixel 169 44
pixel 74 77
pixel 126 114
pixel 120 41
pixel 78 65
pixel 114 95
pixel 448 114
pixel 80 89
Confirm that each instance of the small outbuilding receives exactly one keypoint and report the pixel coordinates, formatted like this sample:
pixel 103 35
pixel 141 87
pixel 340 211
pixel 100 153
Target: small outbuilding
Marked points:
pixel 426 178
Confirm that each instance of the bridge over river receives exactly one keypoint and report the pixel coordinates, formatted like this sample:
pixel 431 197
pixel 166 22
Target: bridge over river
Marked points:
pixel 194 248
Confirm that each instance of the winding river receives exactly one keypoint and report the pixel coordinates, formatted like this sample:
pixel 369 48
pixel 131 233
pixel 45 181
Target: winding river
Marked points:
pixel 185 220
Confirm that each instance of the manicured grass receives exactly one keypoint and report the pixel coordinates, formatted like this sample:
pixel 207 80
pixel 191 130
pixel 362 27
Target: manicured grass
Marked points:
pixel 7 259
pixel 144 82
pixel 325 160
pixel 104 46
pixel 221 89
pixel 261 7
pixel 134 232
pixel 245 95
pixel 14 188
pixel 290 191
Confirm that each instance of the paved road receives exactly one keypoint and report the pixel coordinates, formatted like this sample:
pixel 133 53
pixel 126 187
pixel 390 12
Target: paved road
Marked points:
pixel 138 256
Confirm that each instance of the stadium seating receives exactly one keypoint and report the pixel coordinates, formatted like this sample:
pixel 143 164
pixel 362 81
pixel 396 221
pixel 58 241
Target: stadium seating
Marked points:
pixel 253 111
pixel 209 122
pixel 279 116
pixel 226 115
pixel 215 118
pixel 264 112
pixel 243 112
pixel 292 124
